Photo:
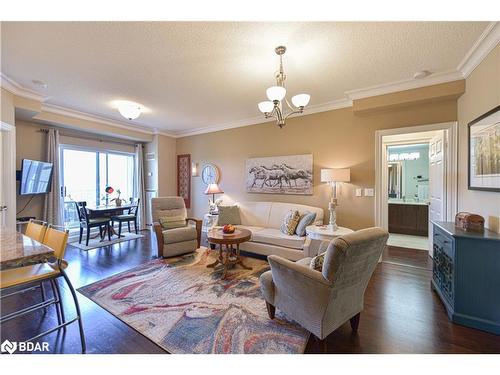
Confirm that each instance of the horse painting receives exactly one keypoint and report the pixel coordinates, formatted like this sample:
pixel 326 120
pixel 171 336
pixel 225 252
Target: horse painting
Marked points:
pixel 280 175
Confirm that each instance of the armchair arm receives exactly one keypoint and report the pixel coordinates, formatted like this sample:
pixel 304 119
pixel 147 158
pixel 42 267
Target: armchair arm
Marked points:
pixel 198 224
pixel 286 268
pixel 300 292
pixel 159 238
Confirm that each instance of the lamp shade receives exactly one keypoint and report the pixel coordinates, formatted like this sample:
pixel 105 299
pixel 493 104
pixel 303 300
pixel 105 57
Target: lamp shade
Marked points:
pixel 213 189
pixel 276 93
pixel 301 100
pixel 336 175
pixel 266 106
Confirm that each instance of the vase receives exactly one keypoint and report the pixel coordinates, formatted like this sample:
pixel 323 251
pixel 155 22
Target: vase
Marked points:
pixel 118 202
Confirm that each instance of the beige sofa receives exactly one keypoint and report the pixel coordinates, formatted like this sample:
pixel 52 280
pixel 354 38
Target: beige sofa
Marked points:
pixel 321 301
pixel 264 219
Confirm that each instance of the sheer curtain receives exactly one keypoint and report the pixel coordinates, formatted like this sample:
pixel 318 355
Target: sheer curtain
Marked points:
pixel 139 185
pixel 52 209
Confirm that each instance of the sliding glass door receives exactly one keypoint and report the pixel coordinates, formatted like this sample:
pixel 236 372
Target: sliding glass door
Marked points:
pixel 86 173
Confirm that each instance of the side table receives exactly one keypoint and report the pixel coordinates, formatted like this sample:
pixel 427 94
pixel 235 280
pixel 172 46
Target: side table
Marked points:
pixel 320 233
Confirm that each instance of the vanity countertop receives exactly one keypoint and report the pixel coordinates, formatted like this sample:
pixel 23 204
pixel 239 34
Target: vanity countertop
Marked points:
pixel 408 202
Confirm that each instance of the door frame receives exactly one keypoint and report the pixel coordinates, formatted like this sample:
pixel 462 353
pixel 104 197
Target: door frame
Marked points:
pixel 9 173
pixel 451 167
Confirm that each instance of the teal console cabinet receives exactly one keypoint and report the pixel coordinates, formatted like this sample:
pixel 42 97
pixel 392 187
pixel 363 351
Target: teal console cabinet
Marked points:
pixel 466 275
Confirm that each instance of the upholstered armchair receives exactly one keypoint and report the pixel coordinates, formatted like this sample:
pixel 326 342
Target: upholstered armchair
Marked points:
pixel 322 301
pixel 183 238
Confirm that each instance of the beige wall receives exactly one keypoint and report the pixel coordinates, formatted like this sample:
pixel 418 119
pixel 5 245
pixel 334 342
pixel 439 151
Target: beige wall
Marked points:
pixel 167 166
pixel 30 144
pixel 482 93
pixel 7 108
pixel 337 139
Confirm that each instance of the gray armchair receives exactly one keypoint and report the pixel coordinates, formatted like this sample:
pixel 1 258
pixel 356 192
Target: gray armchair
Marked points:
pixel 323 301
pixel 176 241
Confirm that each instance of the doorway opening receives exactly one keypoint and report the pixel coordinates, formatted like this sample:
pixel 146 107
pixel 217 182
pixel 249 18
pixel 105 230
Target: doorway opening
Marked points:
pixel 415 184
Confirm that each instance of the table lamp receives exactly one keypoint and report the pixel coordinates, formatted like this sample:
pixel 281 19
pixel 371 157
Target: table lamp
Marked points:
pixel 332 177
pixel 213 189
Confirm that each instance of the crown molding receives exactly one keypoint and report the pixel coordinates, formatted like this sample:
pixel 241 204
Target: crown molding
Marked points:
pixel 323 107
pixel 483 46
pixel 403 85
pixel 12 86
pixel 68 112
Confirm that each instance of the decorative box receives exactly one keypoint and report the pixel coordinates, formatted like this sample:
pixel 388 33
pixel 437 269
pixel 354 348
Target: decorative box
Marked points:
pixel 469 222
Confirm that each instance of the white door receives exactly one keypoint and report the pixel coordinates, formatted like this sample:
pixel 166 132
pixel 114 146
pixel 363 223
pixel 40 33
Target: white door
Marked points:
pixel 437 182
pixel 7 176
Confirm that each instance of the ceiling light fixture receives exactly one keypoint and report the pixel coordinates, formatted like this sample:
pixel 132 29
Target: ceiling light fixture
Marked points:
pixel 277 94
pixel 129 110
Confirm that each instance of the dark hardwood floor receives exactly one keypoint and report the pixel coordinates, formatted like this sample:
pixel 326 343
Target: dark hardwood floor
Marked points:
pixel 402 314
pixel 407 257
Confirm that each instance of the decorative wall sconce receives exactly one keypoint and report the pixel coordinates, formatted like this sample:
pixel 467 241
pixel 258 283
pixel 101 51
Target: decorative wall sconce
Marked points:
pixel 194 170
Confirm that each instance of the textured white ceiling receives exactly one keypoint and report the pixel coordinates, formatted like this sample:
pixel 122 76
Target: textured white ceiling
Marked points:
pixel 198 74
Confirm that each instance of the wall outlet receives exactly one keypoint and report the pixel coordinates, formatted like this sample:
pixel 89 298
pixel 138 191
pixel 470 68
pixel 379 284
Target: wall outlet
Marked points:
pixel 369 192
pixel 358 192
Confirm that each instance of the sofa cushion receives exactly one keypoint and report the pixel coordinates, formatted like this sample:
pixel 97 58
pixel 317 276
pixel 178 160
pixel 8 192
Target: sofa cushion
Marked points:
pixel 251 228
pixel 273 236
pixel 175 235
pixel 255 213
pixel 229 215
pixel 279 210
pixel 290 222
pixel 305 220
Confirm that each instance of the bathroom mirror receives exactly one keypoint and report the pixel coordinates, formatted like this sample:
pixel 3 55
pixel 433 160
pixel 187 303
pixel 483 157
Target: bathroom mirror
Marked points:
pixel 395 176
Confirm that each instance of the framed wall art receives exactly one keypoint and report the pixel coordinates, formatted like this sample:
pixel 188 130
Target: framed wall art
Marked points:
pixel 184 178
pixel 291 174
pixel 484 152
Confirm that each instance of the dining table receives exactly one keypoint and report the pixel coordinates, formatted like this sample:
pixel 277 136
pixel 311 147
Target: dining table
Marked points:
pixel 18 250
pixel 109 211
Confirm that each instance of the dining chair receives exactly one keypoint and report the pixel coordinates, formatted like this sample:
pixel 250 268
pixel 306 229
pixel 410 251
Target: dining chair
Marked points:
pixel 23 277
pixel 36 229
pixel 87 223
pixel 130 216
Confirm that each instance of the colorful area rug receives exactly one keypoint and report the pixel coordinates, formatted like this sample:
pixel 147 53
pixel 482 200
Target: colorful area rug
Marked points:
pixel 185 307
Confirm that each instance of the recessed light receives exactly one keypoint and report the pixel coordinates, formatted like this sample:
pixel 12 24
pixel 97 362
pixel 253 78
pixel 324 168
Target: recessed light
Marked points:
pixel 39 83
pixel 422 74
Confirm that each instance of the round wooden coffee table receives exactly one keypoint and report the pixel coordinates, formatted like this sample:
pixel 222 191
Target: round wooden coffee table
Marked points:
pixel 229 247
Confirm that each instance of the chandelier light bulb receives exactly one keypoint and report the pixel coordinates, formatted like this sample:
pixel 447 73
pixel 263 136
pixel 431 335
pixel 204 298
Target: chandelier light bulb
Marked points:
pixel 276 93
pixel 266 106
pixel 301 100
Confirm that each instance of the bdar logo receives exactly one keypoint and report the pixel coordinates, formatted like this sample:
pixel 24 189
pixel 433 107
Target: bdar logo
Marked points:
pixel 8 346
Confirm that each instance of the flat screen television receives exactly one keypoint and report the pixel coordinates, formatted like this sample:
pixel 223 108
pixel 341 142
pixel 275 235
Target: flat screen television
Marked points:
pixel 36 177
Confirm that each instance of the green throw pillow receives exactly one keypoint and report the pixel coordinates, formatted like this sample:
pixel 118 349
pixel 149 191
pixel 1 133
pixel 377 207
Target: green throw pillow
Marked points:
pixel 229 215
pixel 171 222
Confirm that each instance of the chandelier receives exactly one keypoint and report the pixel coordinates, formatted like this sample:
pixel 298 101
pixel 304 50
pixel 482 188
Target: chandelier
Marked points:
pixel 273 108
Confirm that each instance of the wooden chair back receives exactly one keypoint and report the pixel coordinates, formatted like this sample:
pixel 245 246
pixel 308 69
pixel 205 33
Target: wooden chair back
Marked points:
pixel 81 209
pixel 135 206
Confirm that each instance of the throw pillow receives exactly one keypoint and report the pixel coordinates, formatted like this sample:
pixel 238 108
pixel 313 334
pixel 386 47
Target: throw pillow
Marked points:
pixel 290 221
pixel 305 220
pixel 171 222
pixel 229 215
pixel 317 262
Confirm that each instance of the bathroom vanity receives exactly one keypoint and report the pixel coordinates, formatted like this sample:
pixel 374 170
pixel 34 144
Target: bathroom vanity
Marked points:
pixel 408 217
